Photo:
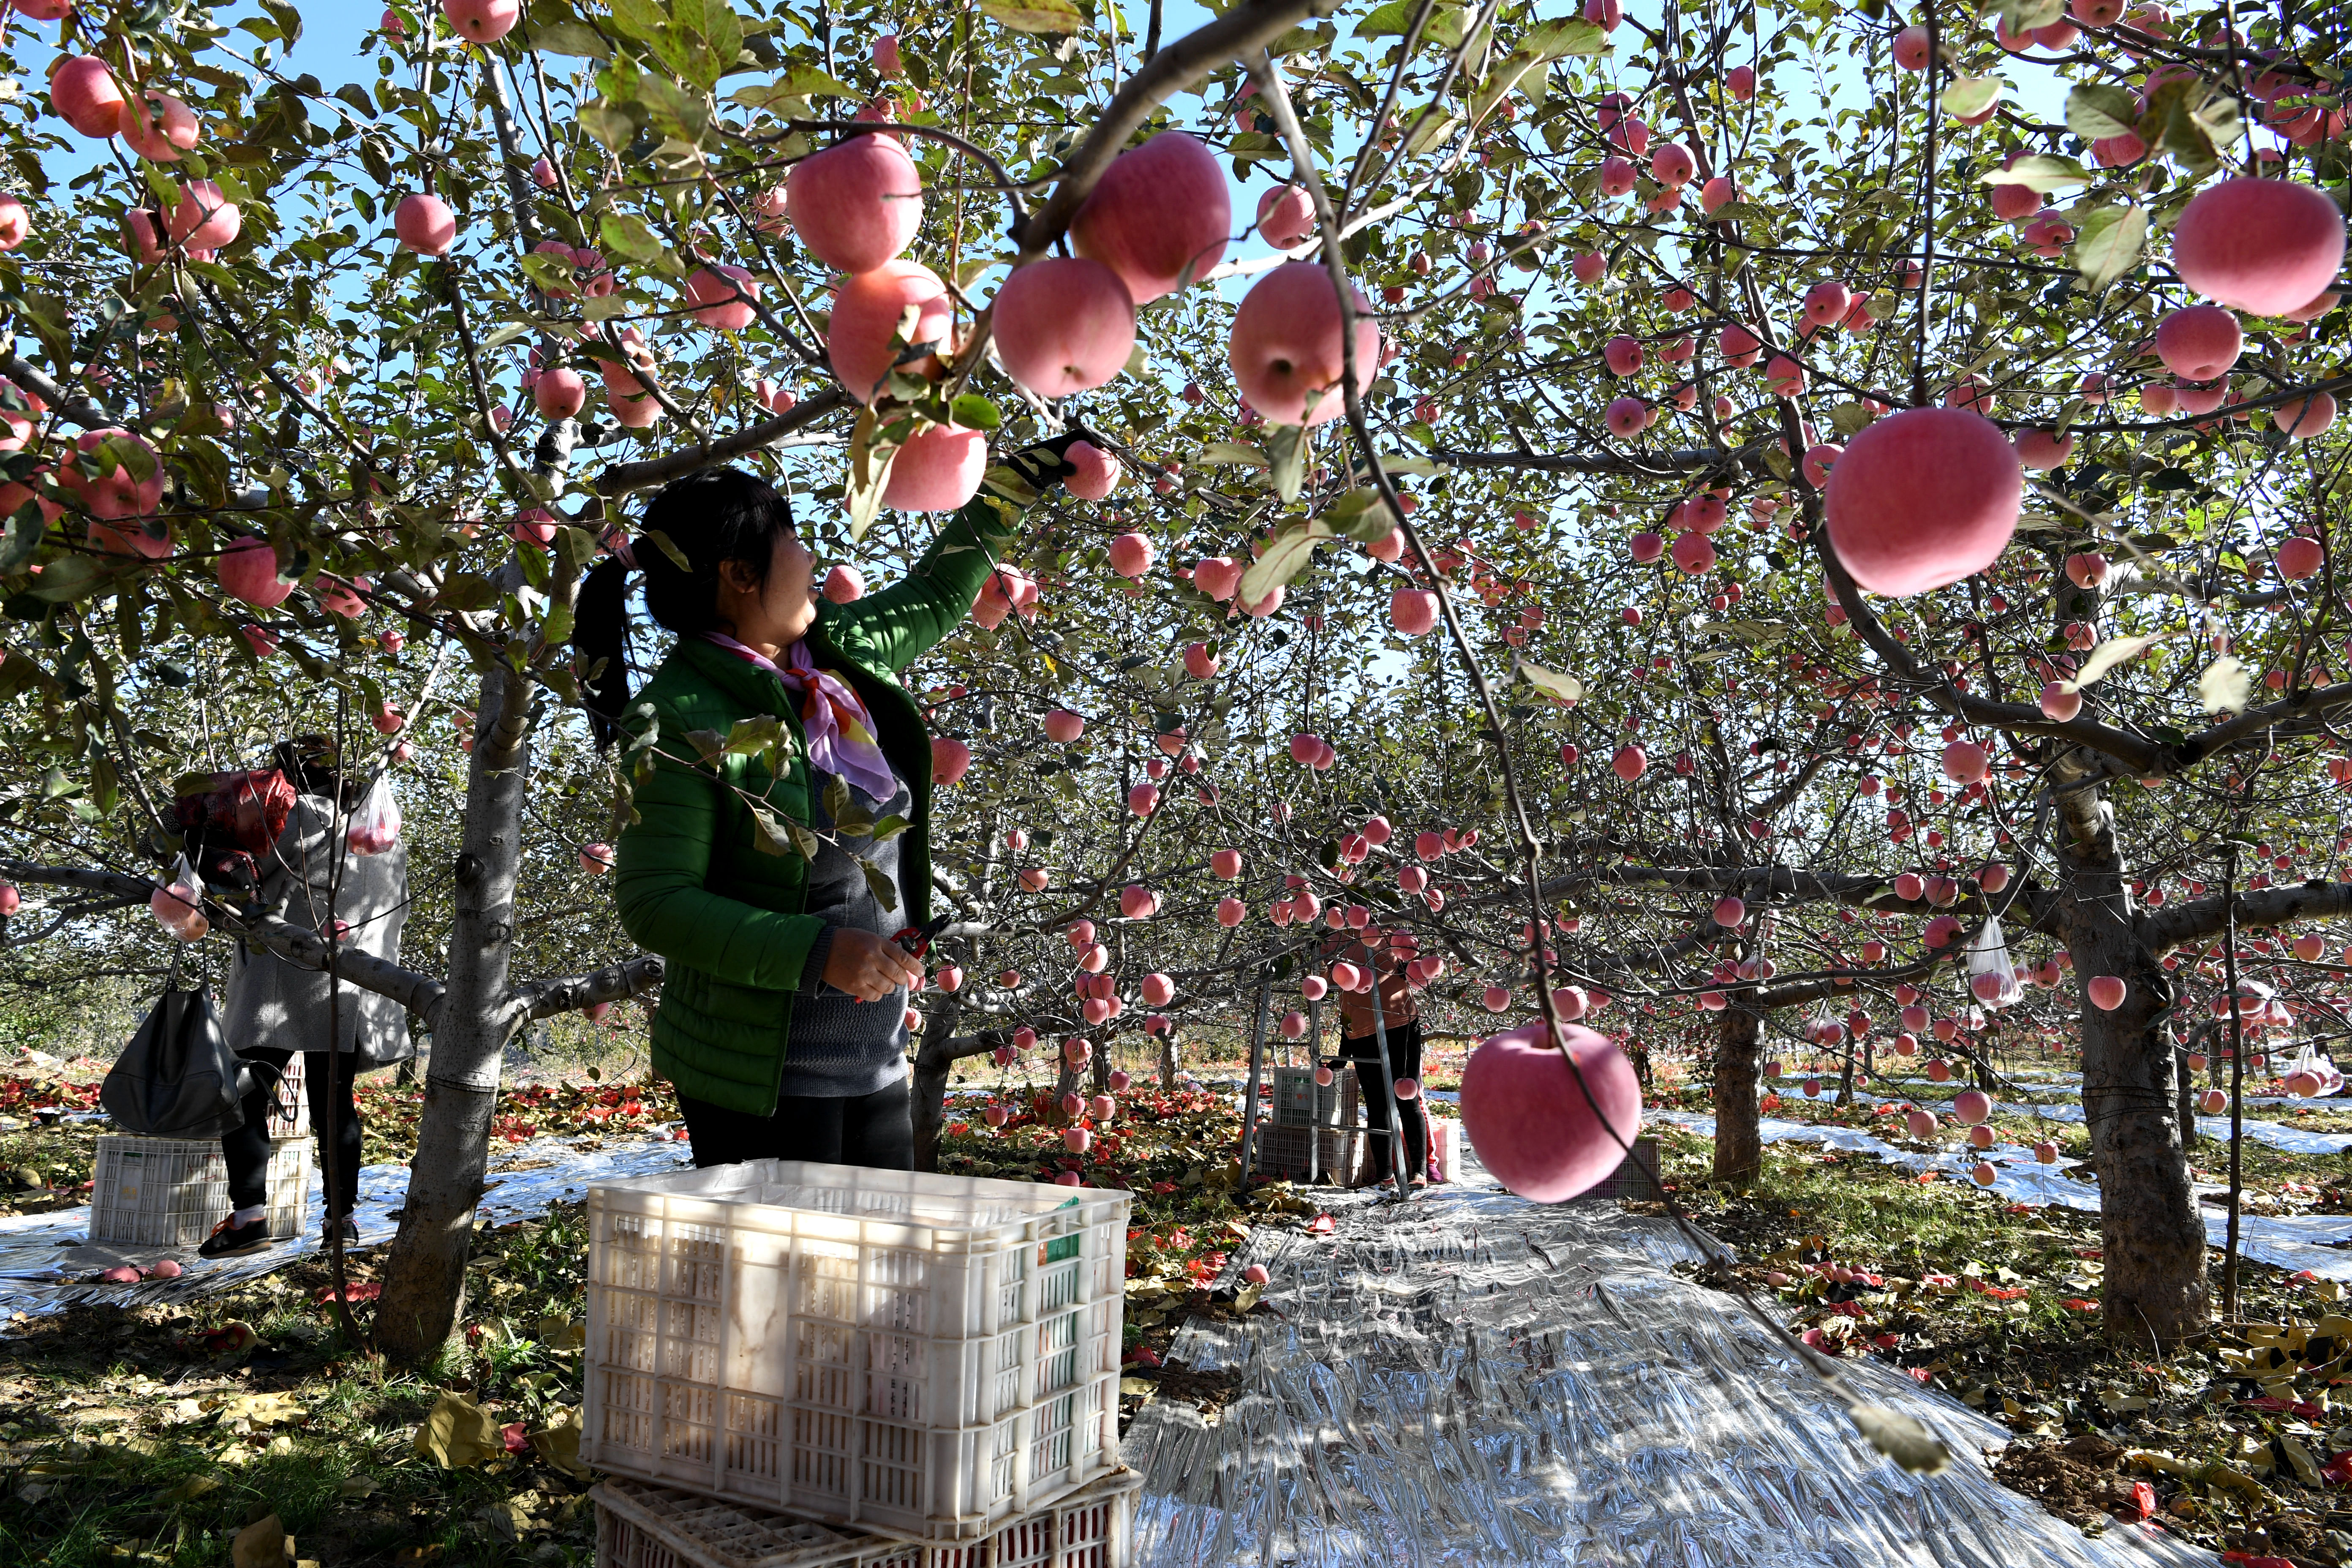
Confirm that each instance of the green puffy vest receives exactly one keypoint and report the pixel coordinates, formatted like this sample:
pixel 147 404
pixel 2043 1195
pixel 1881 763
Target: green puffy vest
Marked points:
pixel 693 878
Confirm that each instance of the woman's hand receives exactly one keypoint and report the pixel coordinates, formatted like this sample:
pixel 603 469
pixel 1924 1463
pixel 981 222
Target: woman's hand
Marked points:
pixel 867 966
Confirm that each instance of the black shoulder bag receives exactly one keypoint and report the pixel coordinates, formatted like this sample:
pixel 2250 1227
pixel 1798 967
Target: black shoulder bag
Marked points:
pixel 177 1077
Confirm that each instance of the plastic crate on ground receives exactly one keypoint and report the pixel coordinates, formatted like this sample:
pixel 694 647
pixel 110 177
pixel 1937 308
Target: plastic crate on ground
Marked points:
pixel 1632 1179
pixel 1300 1102
pixel 171 1192
pixel 659 1527
pixel 924 1356
pixel 1341 1157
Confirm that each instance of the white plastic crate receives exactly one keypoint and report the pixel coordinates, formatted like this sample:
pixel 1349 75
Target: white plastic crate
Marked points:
pixel 1300 1102
pixel 925 1355
pixel 171 1192
pixel 289 1112
pixel 657 1527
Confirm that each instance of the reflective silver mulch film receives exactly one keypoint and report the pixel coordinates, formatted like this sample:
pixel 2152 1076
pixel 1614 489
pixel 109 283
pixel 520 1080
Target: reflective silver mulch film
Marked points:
pixel 2296 1243
pixel 47 1262
pixel 1475 1380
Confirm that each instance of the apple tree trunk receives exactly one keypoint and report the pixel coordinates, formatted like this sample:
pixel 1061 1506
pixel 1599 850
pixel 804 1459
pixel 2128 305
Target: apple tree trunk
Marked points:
pixel 1738 1145
pixel 934 1059
pixel 2151 1235
pixel 424 1279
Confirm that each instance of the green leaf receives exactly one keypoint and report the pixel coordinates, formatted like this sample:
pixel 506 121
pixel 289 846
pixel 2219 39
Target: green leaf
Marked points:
pixel 1565 38
pixel 1970 96
pixel 566 37
pixel 1035 16
pixel 1430 131
pixel 2096 114
pixel 2024 16
pixel 1286 556
pixel 774 834
pixel 674 110
pixel 724 33
pixel 68 578
pixel 662 542
pixel 468 591
pixel 807 81
pixel 871 453
pixel 1289 445
pixel 2045 171
pixel 1420 468
pixel 974 412
pixel 1232 454
pixel 2108 244
pixel 885 888
pixel 1361 515
pixel 1550 41
pixel 23 537
pixel 1552 682
pixel 2186 121
pixel 1389 21
pixel 627 235
pixel 552 273
pixel 889 827
pixel 289 20
pixel 751 737
pixel 609 123
pixel 647 21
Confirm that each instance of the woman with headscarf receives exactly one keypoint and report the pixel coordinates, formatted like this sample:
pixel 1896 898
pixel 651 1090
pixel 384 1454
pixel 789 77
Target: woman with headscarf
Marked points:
pixel 775 875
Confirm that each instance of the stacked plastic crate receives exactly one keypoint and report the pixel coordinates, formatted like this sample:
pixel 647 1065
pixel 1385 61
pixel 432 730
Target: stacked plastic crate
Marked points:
pixel 171 1192
pixel 809 1364
pixel 1313 1135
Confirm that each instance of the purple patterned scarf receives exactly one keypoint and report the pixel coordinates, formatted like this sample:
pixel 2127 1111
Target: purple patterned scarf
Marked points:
pixel 840 730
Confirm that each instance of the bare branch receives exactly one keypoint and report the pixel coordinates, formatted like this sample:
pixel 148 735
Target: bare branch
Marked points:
pixel 570 994
pixel 624 477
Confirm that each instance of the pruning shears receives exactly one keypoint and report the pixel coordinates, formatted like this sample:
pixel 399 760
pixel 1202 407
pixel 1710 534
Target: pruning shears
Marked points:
pixel 917 940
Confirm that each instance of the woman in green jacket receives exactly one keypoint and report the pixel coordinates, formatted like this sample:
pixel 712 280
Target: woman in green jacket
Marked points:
pixel 782 834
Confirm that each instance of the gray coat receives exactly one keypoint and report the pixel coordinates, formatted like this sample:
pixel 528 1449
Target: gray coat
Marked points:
pixel 275 1004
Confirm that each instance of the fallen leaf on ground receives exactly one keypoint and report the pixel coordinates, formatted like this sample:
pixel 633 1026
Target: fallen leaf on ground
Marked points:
pixel 458 1433
pixel 190 1490
pixel 559 1445
pixel 261 1409
pixel 265 1544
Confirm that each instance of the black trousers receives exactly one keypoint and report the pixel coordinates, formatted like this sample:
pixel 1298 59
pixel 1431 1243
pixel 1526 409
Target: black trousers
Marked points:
pixel 332 1115
pixel 1378 1092
pixel 876 1131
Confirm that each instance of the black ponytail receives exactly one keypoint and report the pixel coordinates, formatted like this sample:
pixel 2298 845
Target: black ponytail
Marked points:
pixel 600 631
pixel 710 518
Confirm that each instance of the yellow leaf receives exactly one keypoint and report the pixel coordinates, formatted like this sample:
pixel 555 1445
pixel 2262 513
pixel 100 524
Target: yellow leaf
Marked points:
pixel 559 1445
pixel 1141 1387
pixel 262 1545
pixel 559 1333
pixel 190 1490
pixel 1036 16
pixel 261 1409
pixel 2225 686
pixel 458 1433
